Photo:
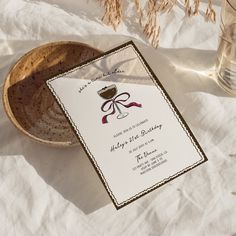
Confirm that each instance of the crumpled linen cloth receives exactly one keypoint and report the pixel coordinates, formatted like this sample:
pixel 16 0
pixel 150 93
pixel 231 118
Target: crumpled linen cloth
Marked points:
pixel 49 191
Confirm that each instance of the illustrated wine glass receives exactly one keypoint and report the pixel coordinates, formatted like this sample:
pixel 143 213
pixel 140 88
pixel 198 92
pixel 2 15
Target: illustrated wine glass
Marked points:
pixel 108 93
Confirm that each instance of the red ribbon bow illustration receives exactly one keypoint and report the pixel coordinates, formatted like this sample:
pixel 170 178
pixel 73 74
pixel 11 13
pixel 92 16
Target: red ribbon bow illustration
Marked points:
pixel 112 105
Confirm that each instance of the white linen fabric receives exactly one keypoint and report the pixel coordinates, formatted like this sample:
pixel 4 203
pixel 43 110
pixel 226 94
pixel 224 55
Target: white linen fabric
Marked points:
pixel 49 191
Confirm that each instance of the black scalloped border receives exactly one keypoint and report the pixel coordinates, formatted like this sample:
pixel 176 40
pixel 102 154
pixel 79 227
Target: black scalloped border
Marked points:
pixel 170 103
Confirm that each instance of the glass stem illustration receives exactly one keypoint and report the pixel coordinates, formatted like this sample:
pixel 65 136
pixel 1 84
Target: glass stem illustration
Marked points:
pixel 121 114
pixel 117 107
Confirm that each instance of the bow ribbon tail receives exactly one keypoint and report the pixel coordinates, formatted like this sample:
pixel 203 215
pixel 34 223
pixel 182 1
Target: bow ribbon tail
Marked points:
pixel 104 118
pixel 132 104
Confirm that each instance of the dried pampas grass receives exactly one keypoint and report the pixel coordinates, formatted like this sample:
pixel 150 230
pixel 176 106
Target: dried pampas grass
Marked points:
pixel 149 14
pixel 113 12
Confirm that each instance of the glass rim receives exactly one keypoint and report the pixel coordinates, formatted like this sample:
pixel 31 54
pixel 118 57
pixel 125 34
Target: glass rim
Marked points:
pixel 231 4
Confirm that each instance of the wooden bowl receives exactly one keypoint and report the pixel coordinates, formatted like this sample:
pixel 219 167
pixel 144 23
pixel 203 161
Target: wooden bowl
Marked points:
pixel 28 102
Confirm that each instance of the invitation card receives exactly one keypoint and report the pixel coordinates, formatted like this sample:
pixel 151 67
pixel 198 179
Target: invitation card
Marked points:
pixel 131 130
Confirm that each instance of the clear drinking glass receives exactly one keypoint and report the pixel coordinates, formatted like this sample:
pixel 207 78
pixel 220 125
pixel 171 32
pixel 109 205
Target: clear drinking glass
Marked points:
pixel 226 55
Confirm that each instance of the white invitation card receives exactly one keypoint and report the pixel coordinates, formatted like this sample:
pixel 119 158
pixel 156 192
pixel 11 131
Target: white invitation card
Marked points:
pixel 131 130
